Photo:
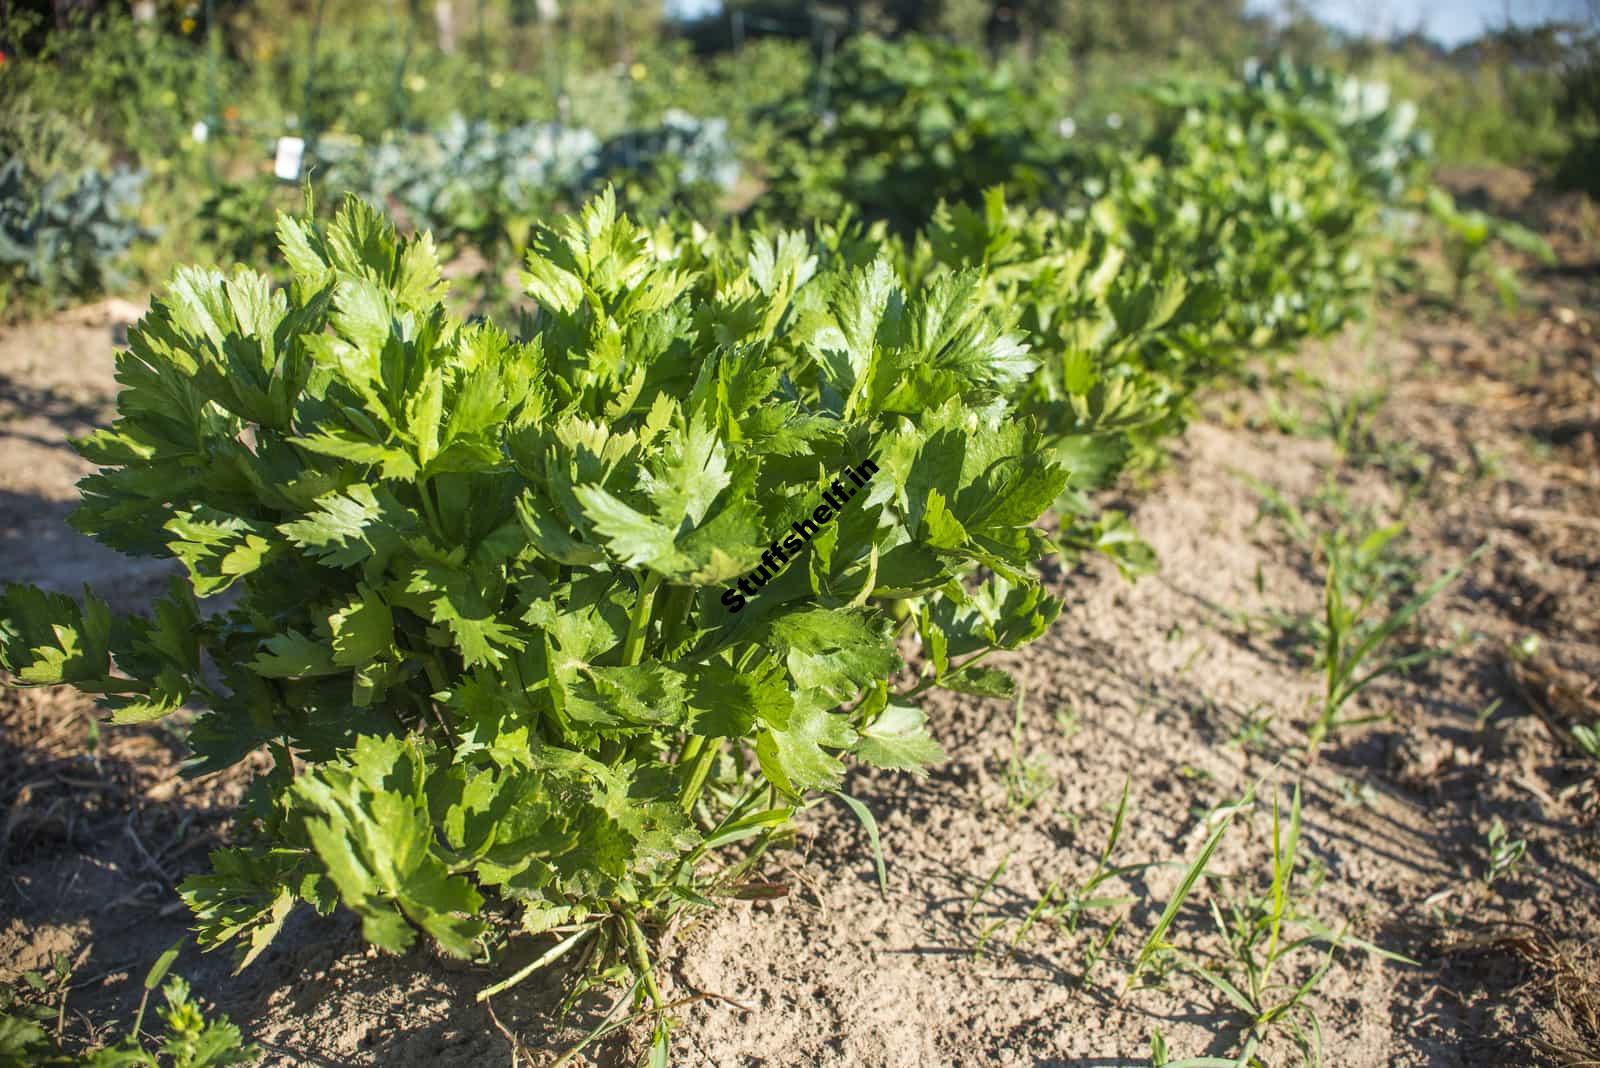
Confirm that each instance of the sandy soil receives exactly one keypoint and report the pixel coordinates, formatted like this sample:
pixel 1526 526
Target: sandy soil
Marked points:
pixel 1477 430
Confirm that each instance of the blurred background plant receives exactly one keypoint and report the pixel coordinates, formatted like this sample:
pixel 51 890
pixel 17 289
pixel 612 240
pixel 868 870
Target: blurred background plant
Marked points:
pixel 473 117
pixel 67 214
pixel 895 127
pixel 1469 239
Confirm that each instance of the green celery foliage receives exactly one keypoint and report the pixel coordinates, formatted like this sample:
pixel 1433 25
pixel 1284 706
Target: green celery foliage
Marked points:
pixel 474 578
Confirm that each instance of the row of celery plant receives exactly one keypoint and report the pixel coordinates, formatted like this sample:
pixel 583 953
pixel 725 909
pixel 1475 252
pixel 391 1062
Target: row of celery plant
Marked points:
pixel 1252 216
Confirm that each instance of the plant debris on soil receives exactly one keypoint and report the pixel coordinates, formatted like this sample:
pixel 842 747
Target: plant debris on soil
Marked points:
pixel 1476 428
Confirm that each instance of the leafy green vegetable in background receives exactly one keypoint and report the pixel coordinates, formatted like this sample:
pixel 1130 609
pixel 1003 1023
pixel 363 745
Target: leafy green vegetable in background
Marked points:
pixel 893 127
pixel 684 161
pixel 465 180
pixel 1279 223
pixel 1578 105
pixel 1357 119
pixel 478 188
pixel 65 234
pixel 1252 221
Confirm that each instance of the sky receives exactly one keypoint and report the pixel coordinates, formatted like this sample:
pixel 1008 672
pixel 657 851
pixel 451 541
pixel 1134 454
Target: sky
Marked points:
pixel 1448 21
pixel 693 9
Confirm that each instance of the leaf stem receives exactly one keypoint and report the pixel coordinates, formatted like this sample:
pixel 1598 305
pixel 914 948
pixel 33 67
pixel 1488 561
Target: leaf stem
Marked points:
pixel 703 756
pixel 639 620
pixel 428 507
pixel 436 678
pixel 639 955
pixel 933 680
pixel 674 614
pixel 552 955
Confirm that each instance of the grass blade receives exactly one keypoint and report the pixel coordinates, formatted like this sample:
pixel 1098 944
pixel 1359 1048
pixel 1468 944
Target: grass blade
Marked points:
pixel 1404 615
pixel 742 829
pixel 1155 942
pixel 1283 854
pixel 871 825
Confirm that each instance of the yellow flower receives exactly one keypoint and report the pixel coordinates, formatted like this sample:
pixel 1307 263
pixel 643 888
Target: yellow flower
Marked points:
pixel 188 25
pixel 637 72
pixel 416 83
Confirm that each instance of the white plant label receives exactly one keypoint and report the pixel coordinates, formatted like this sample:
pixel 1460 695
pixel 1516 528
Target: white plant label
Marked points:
pixel 291 151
